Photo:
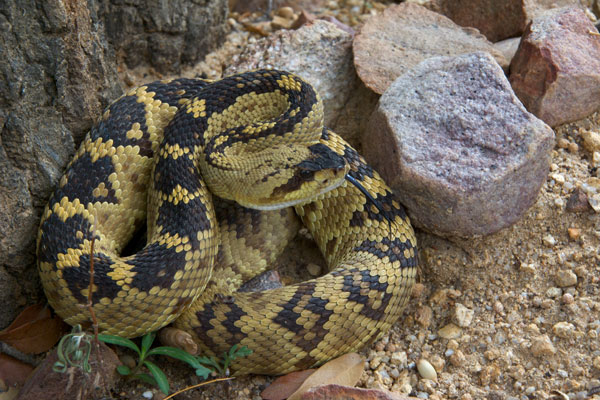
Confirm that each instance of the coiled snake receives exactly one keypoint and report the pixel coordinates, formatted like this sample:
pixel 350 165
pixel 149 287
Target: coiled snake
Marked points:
pixel 159 155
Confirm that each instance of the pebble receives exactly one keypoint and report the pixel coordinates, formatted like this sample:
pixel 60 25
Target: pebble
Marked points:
pixel 574 233
pixel 148 394
pixel 567 298
pixel 565 278
pixel 423 316
pixel 564 330
pixel 446 192
pixel 457 359
pixel 313 269
pixel 399 359
pixel 426 370
pixel 558 178
pixel 591 140
pixel 450 331
pixel 596 362
pixel 462 315
pixel 542 346
pixel 578 201
pixel 549 240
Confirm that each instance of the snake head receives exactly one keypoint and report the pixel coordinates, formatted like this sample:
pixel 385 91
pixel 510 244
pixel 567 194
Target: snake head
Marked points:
pixel 283 176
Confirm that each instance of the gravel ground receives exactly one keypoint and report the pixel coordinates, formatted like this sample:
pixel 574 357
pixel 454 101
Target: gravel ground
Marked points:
pixel 515 315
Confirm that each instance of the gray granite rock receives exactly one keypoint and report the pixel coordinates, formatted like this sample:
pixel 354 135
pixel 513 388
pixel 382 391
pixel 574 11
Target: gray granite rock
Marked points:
pixel 458 147
pixel 556 70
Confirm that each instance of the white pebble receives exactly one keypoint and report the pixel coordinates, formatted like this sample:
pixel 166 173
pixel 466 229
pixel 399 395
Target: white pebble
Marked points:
pixel 426 370
pixel 148 394
pixel 549 240
pixel 558 178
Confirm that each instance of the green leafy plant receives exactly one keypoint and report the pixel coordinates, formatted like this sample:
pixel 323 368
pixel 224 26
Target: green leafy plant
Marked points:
pixel 74 351
pixel 221 366
pixel 157 377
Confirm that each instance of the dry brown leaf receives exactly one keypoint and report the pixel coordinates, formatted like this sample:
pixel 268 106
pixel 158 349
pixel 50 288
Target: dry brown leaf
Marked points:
pixel 282 387
pixel 34 331
pixel 12 371
pixel 345 370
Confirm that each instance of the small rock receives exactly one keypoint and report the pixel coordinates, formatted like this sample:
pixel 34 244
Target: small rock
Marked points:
pixel 574 233
pixel 565 278
pixel 527 268
pixel 591 140
pixel 562 143
pixel 567 298
pixel 286 12
pixel 488 374
pixel 594 201
pixel 458 359
pixel 426 370
pixel 462 315
pixel 542 346
pixel 556 71
pixel 423 316
pixel 313 269
pixel 148 394
pixel 399 358
pixel 553 292
pixel 564 330
pixel 450 331
pixel 596 362
pixel 549 240
pixel 455 144
pixel 417 290
pixel 578 201
pixel 391 43
pixel 558 178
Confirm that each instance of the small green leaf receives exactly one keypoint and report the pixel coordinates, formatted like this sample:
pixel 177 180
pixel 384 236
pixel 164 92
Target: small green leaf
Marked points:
pixel 239 352
pixel 146 378
pixel 119 341
pixel 147 342
pixel 179 354
pixel 203 372
pixel 161 378
pixel 211 362
pixel 124 370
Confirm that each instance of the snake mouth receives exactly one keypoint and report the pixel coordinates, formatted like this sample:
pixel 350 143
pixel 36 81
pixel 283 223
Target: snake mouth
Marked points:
pixel 335 183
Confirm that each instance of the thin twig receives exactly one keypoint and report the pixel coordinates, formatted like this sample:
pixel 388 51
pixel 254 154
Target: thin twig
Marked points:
pixel 196 386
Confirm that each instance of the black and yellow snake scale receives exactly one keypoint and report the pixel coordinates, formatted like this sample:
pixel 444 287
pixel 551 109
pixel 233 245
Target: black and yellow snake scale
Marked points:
pixel 255 144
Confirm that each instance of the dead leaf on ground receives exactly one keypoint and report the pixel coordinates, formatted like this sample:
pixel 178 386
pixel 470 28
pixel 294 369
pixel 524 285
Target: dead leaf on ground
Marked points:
pixel 12 371
pixel 34 331
pixel 345 370
pixel 337 392
pixel 282 387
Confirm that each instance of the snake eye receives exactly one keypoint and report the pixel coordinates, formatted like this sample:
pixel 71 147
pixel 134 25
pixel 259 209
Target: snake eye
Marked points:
pixel 306 174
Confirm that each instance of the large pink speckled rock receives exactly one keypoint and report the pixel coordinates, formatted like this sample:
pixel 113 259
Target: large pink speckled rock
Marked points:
pixel 458 147
pixel 556 70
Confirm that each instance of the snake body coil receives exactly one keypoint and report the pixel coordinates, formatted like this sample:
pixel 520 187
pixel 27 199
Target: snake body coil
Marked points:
pixel 159 155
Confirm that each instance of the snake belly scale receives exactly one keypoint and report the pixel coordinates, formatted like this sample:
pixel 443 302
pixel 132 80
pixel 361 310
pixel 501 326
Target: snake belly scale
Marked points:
pixel 164 156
